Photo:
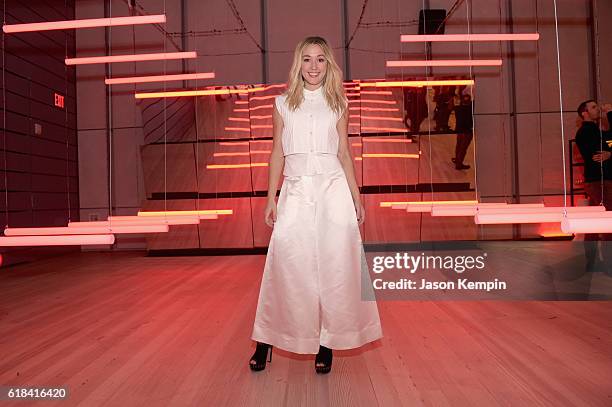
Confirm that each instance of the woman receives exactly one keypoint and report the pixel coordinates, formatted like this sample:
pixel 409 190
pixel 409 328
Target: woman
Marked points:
pixel 310 296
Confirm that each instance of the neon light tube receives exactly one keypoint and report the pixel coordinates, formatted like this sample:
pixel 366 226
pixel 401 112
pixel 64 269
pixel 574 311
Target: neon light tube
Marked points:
pixel 419 84
pixel 234 166
pixel 450 62
pixel 389 155
pixel 389 129
pixel 386 204
pixel 375 101
pixel 469 37
pixel 187 212
pixel 85 23
pixel 65 240
pixel 587 223
pixel 137 221
pixel 393 119
pixel 189 93
pixel 130 58
pixel 527 215
pixel 238 119
pixel 461 210
pixel 159 78
pixel 377 92
pixel 385 140
pixel 429 208
pixel 64 230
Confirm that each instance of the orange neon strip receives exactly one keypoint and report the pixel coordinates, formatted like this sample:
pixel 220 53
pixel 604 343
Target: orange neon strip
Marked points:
pixel 84 23
pixel 131 58
pixel 261 107
pixel 187 212
pixel 385 140
pixel 393 119
pixel 390 129
pixel 418 84
pixel 242 102
pixel 58 240
pixel 238 119
pixel 263 97
pixel 241 110
pixel 246 129
pixel 376 109
pixel 189 93
pixel 233 166
pixel 242 153
pixel 377 92
pixel 64 230
pixel 233 143
pixel 469 37
pixel 137 221
pixel 380 102
pixel 261 126
pixel 386 204
pixel 449 62
pixel 159 78
pixel 389 155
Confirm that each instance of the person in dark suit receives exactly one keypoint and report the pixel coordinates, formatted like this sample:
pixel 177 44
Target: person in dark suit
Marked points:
pixel 465 130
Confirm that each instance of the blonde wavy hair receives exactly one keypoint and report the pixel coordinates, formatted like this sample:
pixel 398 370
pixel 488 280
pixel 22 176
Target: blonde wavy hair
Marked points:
pixel 332 82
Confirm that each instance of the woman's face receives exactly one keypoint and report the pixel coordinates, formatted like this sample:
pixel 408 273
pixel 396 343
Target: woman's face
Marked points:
pixel 314 66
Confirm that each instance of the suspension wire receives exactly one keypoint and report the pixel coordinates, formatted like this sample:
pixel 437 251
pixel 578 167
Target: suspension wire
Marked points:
pixel 537 44
pixel 561 106
pixel 468 7
pixel 165 132
pixel 66 121
pixel 109 68
pixel 4 116
pixel 502 102
pixel 598 81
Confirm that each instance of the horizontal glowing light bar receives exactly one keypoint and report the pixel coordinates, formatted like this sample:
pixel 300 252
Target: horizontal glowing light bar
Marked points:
pixel 263 97
pixel 448 62
pixel 587 223
pixel 242 102
pixel 199 212
pixel 238 154
pixel 241 110
pixel 159 78
pixel 131 58
pixel 462 210
pixel 246 129
pixel 390 129
pixel 136 221
pixel 189 93
pixel 380 102
pixel 389 155
pixel 393 119
pixel 512 215
pixel 375 109
pixel 261 126
pixel 385 140
pixel 64 230
pixel 254 117
pixel 238 119
pixel 386 204
pixel 418 84
pixel 357 144
pixel 233 166
pixel 85 23
pixel 261 107
pixel 136 218
pixel 469 37
pixel 261 141
pixel 429 208
pixel 61 240
pixel 358 159
pixel 377 92
pixel 233 143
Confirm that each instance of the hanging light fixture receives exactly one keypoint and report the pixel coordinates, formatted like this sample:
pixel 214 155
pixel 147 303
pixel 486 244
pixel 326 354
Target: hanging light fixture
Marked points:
pixel 131 58
pixel 159 78
pixel 60 240
pixel 513 215
pixel 83 23
pixel 96 230
pixel 469 37
pixel 450 62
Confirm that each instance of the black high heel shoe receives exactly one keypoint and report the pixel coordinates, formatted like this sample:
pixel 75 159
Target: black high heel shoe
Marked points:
pixel 258 360
pixel 323 360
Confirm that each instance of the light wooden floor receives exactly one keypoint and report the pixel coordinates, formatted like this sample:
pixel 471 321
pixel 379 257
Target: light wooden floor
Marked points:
pixel 127 330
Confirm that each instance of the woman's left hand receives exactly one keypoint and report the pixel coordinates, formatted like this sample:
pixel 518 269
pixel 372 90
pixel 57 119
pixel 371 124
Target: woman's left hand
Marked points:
pixel 360 212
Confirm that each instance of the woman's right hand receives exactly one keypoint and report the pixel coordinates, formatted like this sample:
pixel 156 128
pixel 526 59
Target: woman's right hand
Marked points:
pixel 270 213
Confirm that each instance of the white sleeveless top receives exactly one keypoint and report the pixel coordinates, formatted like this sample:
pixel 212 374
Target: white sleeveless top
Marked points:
pixel 309 138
